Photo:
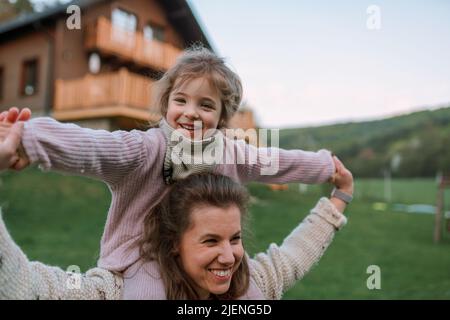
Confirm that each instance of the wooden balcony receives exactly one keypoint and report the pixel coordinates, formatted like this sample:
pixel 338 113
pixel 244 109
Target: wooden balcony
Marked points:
pixel 130 46
pixel 117 94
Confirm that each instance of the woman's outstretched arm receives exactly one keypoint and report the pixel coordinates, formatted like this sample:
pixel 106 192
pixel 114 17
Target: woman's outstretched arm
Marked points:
pixel 25 280
pixel 278 269
pixel 22 279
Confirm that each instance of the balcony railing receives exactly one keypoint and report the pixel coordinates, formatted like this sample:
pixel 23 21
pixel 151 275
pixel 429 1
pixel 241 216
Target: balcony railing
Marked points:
pixel 130 46
pixel 105 95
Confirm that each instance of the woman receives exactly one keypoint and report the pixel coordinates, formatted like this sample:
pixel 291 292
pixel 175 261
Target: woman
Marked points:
pixel 192 248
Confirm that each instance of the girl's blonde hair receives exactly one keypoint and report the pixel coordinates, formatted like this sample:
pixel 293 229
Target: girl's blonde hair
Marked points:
pixel 196 62
pixel 165 225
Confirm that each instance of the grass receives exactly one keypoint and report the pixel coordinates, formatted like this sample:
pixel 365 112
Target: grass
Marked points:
pixel 59 220
pixel 56 219
pixel 412 266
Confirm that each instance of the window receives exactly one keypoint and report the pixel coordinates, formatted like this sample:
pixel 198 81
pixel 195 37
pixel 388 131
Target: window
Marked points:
pixel 2 82
pixel 29 84
pixel 152 32
pixel 124 20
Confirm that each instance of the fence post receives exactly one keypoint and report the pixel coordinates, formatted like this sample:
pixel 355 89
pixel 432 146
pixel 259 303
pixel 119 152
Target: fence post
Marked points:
pixel 438 218
pixel 387 186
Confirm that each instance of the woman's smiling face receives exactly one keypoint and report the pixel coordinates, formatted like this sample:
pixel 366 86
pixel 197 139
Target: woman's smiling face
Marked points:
pixel 211 249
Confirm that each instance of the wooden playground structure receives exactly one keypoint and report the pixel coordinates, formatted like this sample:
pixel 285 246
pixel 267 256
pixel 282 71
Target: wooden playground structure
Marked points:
pixel 444 183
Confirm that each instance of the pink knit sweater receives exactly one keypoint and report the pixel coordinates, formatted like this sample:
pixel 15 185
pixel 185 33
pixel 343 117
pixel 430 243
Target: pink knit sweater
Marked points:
pixel 131 164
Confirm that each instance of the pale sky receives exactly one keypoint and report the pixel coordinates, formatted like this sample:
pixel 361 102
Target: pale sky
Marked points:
pixel 312 62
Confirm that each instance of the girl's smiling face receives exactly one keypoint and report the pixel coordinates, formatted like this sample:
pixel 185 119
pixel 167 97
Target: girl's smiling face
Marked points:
pixel 194 107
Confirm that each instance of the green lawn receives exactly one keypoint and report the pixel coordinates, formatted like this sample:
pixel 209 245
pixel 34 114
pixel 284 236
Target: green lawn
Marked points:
pixel 412 267
pixel 59 220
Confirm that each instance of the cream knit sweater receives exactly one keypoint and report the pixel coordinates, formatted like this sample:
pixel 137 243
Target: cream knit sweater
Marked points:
pixel 274 271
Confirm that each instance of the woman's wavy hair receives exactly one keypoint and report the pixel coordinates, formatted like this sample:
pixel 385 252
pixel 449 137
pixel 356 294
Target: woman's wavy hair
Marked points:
pixel 197 61
pixel 167 222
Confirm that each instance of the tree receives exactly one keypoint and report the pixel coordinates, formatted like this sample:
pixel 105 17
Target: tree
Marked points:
pixel 7 11
pixel 23 6
pixel 10 9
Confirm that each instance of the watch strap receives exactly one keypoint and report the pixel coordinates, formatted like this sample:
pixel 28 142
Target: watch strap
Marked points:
pixel 347 198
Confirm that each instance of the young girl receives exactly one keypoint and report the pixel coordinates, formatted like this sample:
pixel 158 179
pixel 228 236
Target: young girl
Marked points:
pixel 137 166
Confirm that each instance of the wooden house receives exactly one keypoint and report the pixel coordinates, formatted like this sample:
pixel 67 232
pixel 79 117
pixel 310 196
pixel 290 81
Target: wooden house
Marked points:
pixel 99 75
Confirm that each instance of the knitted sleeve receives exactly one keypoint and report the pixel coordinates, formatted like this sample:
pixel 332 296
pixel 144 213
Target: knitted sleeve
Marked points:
pixel 21 279
pixel 274 165
pixel 278 269
pixel 101 154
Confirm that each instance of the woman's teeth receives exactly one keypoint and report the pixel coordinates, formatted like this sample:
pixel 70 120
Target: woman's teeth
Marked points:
pixel 221 273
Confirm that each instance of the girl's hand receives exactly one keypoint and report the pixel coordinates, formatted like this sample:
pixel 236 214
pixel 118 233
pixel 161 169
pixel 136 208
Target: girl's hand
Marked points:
pixel 13 115
pixel 9 146
pixel 7 118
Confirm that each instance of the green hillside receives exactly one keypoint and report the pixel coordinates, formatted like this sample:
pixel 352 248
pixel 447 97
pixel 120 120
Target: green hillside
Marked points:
pixel 413 145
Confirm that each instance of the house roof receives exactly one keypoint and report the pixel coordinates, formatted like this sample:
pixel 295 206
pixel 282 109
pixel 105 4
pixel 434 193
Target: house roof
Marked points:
pixel 179 14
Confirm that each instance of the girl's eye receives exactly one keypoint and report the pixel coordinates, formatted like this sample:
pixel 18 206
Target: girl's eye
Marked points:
pixel 207 108
pixel 179 100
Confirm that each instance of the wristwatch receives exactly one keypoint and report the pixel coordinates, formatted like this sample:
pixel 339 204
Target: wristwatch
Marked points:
pixel 347 198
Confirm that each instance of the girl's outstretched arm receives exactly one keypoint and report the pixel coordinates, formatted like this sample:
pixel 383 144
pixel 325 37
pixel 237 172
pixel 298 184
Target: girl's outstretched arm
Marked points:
pixel 247 163
pixel 108 156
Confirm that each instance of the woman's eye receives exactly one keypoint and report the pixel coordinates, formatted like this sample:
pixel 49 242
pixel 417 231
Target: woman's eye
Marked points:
pixel 236 239
pixel 210 241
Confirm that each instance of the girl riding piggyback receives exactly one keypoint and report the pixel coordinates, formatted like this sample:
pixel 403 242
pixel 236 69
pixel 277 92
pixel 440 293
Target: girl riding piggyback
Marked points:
pixel 197 97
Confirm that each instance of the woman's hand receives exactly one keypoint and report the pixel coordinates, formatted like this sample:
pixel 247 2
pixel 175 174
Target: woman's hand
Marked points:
pixel 343 180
